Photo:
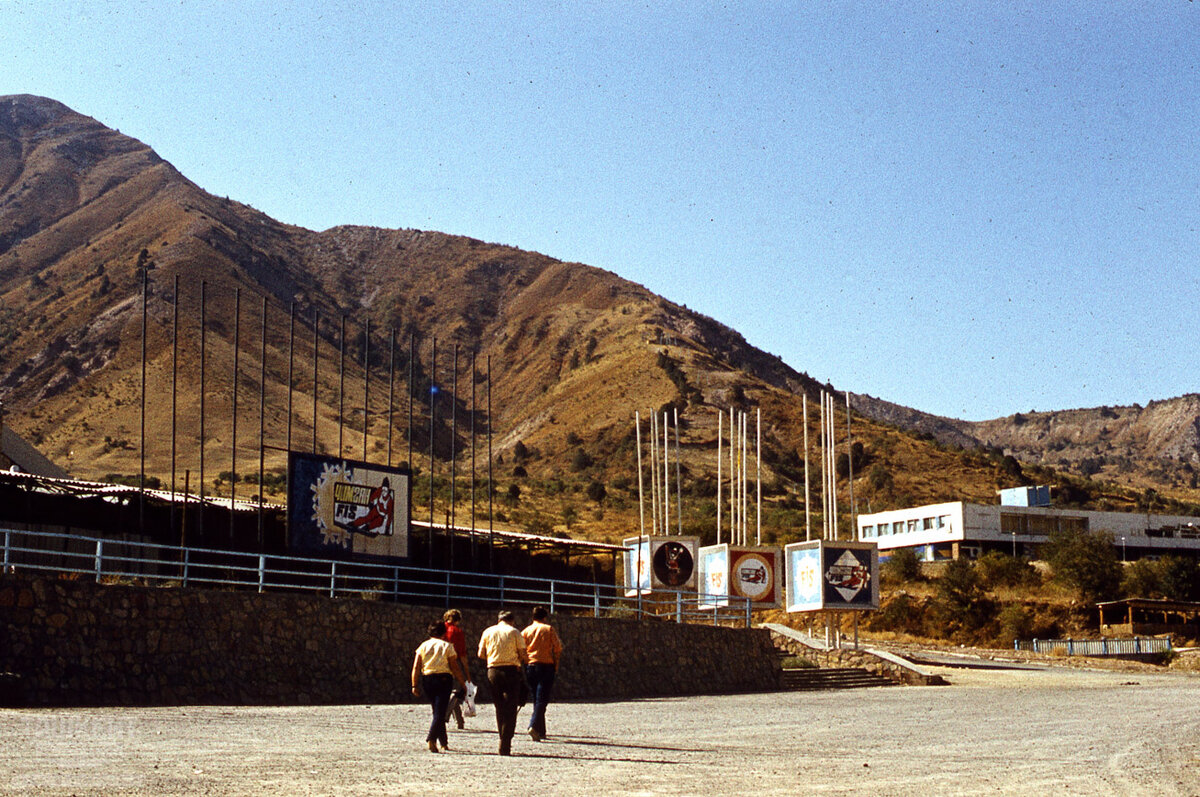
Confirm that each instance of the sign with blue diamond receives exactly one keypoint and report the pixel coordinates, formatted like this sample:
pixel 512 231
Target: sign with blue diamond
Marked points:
pixel 823 575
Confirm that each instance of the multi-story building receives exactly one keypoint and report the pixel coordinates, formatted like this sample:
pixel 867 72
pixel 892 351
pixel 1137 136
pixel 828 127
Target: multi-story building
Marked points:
pixel 958 528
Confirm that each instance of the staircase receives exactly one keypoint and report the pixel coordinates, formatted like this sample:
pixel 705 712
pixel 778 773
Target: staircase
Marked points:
pixel 811 679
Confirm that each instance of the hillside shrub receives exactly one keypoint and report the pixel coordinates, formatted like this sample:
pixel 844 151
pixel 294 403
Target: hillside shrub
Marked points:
pixel 903 614
pixel 596 492
pixel 1013 622
pixel 997 569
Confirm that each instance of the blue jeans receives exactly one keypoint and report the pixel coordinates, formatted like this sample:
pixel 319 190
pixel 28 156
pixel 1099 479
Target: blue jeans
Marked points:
pixel 541 683
pixel 437 688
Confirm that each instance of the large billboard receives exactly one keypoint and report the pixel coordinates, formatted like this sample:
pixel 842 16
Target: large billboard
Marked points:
pixel 341 505
pixel 831 575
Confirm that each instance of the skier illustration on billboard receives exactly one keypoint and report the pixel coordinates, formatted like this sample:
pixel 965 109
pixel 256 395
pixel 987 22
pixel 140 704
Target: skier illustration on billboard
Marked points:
pixel 378 516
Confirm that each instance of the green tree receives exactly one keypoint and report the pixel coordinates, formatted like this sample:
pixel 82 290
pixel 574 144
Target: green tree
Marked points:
pixel 1141 580
pixel 962 604
pixel 902 566
pixel 958 587
pixel 1087 562
pixel 1179 577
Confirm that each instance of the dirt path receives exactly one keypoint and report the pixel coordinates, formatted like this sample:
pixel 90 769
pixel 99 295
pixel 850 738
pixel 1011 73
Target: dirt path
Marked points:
pixel 993 731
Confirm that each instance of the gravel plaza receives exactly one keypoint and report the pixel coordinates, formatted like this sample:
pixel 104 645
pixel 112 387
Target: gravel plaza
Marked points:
pixel 999 731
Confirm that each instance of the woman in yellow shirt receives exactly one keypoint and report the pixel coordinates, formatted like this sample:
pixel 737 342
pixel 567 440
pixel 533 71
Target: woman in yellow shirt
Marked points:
pixel 435 669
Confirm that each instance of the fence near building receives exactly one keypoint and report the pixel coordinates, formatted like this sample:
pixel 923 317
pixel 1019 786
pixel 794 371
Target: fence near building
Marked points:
pixel 1136 646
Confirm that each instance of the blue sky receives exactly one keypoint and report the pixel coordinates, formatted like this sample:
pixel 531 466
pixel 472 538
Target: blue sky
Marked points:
pixel 973 209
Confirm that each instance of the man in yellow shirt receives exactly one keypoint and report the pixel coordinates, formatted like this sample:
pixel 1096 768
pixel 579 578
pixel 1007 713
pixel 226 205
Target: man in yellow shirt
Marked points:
pixel 503 648
pixel 545 650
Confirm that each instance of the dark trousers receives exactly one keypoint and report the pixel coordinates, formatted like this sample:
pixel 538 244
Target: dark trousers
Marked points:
pixel 457 696
pixel 541 682
pixel 506 693
pixel 437 688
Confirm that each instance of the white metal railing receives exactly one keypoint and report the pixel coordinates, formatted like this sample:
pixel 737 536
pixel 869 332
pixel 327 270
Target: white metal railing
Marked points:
pixel 110 560
pixel 1096 647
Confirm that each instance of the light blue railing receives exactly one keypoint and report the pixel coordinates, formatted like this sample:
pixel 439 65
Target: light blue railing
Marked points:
pixel 1096 647
pixel 152 564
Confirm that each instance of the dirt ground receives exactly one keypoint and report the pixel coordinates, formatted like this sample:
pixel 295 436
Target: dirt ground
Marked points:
pixel 992 731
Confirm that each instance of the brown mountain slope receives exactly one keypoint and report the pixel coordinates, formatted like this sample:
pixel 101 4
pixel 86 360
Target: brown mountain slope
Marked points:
pixel 86 214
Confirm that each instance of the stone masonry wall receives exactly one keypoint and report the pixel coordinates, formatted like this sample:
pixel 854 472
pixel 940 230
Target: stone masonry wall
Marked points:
pixel 68 642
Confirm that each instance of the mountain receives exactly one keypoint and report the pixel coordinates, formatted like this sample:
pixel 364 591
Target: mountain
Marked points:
pixel 1153 447
pixel 87 215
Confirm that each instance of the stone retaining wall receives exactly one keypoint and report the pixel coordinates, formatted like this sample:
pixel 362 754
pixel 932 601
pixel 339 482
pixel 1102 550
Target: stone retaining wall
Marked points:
pixel 68 642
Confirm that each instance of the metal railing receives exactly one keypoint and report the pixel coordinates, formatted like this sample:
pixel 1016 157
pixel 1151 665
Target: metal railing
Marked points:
pixel 151 564
pixel 1136 646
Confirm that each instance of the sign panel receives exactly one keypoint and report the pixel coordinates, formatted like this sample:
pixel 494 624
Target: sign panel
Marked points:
pixel 673 562
pixel 637 565
pixel 832 575
pixel 803 577
pixel 344 505
pixel 754 574
pixel 714 576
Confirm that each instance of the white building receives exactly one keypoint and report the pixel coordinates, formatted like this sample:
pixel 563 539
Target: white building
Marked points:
pixel 952 530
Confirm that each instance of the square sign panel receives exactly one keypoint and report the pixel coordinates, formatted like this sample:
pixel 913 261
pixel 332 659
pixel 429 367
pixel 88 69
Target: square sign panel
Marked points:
pixel 754 574
pixel 714 576
pixel 673 562
pixel 827 575
pixel 637 565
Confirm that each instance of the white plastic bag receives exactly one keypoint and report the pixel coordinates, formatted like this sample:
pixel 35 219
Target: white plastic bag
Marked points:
pixel 468 704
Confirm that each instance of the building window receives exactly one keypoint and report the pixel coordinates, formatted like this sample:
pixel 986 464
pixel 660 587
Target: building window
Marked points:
pixel 928 524
pixel 868 531
pixel 943 521
pixel 1012 523
pixel 898 527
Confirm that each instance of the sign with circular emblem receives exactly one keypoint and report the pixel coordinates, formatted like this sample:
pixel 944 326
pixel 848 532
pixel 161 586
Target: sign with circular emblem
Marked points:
pixel 673 564
pixel 753 576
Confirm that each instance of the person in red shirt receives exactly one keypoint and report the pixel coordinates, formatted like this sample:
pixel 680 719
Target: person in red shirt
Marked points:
pixel 458 638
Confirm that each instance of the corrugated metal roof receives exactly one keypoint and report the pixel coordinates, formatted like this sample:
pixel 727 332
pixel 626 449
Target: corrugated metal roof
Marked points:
pixel 79 487
pixel 25 456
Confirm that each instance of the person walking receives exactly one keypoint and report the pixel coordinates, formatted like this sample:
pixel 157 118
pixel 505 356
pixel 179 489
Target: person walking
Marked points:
pixel 503 648
pixel 545 650
pixel 434 671
pixel 458 638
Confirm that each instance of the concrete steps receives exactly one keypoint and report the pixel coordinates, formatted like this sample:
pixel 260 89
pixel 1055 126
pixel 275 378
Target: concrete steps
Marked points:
pixel 811 679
